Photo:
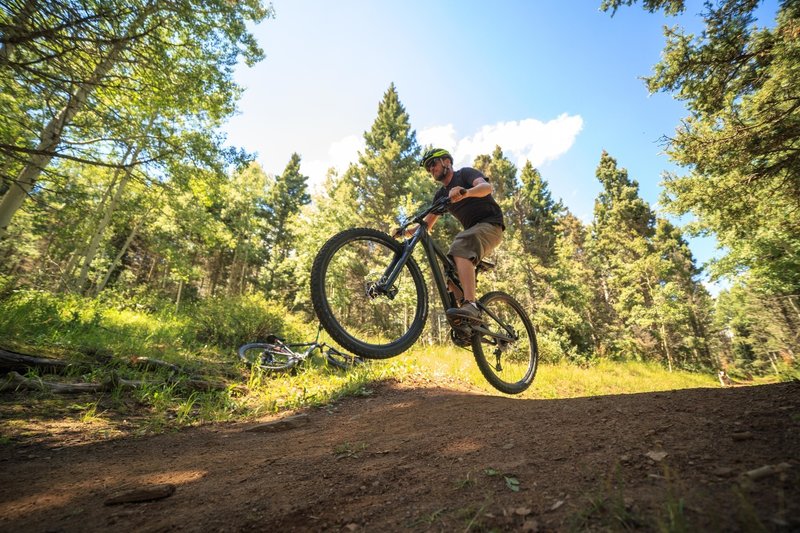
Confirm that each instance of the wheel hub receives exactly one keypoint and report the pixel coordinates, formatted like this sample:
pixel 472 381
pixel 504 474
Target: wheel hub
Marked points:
pixel 373 290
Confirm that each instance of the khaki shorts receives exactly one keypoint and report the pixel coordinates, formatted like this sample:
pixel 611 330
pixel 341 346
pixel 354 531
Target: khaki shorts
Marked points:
pixel 476 242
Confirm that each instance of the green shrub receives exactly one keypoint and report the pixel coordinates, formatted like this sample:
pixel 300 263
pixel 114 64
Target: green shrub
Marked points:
pixel 229 322
pixel 550 350
pixel 28 313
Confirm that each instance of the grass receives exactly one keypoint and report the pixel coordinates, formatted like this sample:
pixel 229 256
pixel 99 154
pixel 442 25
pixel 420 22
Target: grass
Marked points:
pixel 561 380
pixel 105 334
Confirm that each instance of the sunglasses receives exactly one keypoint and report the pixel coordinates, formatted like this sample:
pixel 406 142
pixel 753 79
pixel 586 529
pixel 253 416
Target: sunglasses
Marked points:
pixel 431 164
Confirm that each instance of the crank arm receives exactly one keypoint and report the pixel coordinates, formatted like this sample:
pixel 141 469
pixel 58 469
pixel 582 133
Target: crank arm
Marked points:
pixel 483 330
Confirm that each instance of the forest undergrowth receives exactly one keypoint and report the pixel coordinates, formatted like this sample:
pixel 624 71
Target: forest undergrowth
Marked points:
pixel 100 336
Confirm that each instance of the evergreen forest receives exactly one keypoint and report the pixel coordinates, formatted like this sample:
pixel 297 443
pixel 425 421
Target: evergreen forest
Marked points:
pixel 118 191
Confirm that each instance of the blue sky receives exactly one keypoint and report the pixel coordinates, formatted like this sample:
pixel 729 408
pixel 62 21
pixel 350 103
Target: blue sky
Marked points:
pixel 555 82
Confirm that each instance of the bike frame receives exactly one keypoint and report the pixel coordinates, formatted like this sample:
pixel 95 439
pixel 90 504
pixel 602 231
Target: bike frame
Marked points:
pixel 311 347
pixel 436 257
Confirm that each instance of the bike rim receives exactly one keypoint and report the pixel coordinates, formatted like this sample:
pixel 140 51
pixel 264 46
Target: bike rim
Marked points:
pixel 366 316
pixel 511 364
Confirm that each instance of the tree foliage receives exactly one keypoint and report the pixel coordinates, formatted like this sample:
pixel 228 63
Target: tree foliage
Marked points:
pixel 109 117
pixel 88 80
pixel 740 141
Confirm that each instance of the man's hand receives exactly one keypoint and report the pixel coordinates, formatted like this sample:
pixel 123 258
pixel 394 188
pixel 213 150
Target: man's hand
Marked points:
pixel 400 232
pixel 457 194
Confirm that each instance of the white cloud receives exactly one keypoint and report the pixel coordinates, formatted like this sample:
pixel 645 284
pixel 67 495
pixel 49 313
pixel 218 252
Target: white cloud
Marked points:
pixel 345 151
pixel 524 140
pixel 340 154
pixel 439 136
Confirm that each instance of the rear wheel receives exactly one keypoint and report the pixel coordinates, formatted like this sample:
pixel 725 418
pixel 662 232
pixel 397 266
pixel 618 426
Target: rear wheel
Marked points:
pixel 508 358
pixel 266 356
pixel 356 314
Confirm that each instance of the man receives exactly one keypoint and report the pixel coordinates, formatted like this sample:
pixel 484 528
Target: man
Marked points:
pixel 472 204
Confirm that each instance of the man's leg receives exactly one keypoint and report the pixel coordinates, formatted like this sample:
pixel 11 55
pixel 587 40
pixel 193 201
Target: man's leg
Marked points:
pixel 473 242
pixel 468 311
pixel 466 274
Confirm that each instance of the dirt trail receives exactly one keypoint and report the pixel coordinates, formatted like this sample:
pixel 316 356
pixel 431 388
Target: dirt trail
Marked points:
pixel 426 458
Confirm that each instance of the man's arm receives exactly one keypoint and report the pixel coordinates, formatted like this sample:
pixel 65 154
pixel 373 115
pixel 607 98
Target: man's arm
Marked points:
pixel 429 221
pixel 480 188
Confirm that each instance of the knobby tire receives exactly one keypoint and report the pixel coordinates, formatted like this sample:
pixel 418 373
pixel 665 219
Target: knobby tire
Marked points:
pixel 374 328
pixel 518 360
pixel 341 360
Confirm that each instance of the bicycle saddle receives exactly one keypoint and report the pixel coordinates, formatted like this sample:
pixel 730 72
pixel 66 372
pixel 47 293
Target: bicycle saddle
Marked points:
pixel 484 266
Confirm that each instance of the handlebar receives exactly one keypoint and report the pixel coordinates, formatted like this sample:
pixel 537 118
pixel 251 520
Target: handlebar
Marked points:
pixel 437 208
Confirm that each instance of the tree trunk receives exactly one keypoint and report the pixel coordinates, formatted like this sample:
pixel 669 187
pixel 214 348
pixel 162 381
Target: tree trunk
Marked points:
pixel 66 274
pixel 666 345
pixel 113 266
pixel 108 212
pixel 242 278
pixel 152 269
pixel 178 298
pixel 232 273
pixel 51 135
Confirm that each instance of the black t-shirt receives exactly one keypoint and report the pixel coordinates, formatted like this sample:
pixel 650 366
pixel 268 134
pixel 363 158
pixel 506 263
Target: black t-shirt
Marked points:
pixel 471 211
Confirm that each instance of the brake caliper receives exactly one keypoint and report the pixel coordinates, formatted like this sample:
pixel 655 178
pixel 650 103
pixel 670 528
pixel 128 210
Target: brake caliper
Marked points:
pixel 373 290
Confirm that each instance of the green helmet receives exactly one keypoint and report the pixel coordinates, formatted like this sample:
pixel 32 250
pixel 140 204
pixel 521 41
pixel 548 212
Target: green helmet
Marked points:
pixel 434 153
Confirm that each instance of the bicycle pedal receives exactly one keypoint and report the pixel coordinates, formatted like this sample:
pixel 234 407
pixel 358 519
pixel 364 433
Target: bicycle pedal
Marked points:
pixel 461 322
pixel 463 327
pixel 455 321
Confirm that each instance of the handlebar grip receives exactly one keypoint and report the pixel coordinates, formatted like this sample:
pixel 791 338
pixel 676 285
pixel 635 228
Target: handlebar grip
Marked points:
pixel 440 206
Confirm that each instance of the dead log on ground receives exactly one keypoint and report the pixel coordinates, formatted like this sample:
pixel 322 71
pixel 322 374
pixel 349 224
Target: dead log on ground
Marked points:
pixel 16 382
pixel 17 362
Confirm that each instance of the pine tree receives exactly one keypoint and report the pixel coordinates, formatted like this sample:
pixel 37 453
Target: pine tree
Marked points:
pixel 622 226
pixel 578 291
pixel 388 173
pixel 538 214
pixel 739 143
pixel 501 173
pixel 284 200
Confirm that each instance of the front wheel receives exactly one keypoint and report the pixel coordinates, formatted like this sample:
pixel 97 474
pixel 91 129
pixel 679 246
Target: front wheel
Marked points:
pixel 508 354
pixel 347 296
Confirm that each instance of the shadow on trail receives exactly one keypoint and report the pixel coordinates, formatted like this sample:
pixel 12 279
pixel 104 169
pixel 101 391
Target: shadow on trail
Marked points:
pixel 436 459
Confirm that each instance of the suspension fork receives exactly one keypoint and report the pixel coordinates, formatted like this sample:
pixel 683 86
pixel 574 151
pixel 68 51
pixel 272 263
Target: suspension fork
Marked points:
pixel 384 285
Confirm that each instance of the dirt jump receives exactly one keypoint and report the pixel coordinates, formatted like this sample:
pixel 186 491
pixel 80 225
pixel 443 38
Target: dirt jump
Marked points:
pixel 416 457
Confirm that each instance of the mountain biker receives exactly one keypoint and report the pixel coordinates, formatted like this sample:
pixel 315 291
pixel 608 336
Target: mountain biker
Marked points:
pixel 471 202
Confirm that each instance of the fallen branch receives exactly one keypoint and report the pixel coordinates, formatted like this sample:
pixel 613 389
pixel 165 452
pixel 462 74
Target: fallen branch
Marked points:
pixel 16 382
pixel 148 363
pixel 17 362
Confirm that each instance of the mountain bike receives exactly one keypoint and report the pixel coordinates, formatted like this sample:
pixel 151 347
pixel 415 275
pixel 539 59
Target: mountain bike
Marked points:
pixel 370 296
pixel 276 355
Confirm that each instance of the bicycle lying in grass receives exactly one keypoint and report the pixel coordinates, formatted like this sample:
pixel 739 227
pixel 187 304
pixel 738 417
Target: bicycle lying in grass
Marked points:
pixel 275 355
pixel 371 297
